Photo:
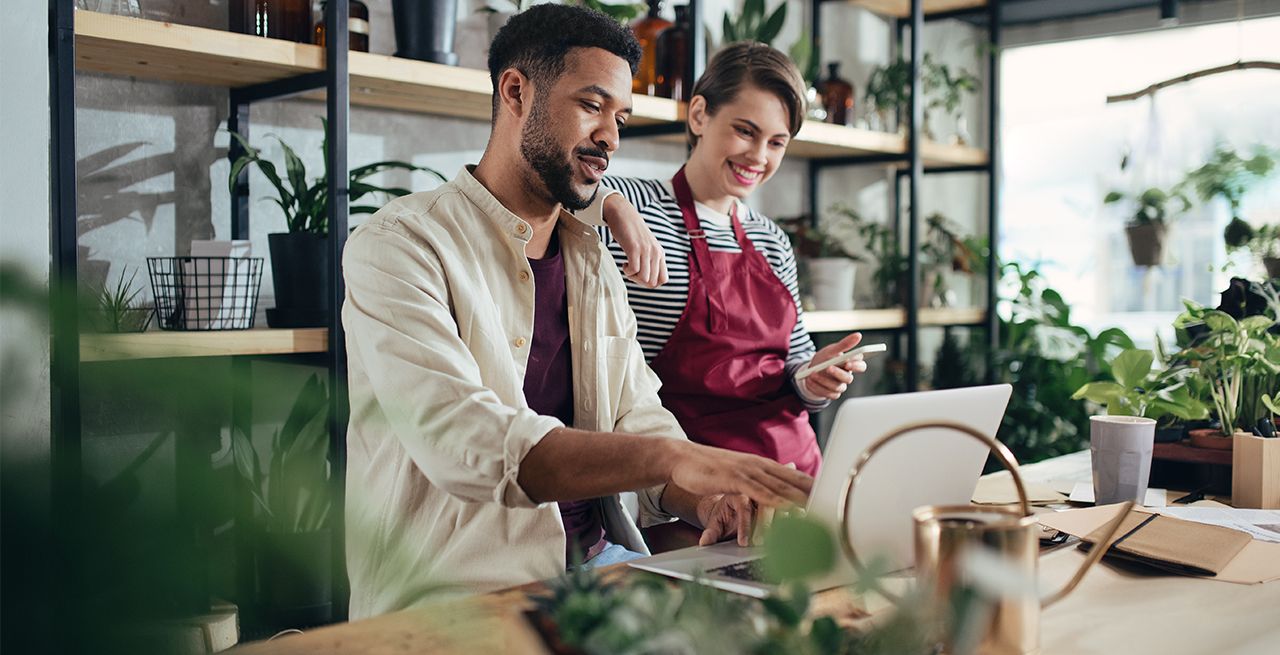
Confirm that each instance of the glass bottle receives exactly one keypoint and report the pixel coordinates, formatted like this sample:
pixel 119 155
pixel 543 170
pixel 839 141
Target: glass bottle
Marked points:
pixel 837 96
pixel 647 30
pixel 357 27
pixel 276 19
pixel 673 57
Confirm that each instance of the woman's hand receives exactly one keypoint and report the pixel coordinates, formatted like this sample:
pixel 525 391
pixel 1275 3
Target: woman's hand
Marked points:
pixel 832 381
pixel 646 261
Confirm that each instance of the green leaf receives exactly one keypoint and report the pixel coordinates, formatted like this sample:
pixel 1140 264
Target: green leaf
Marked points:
pixel 296 171
pixel 1113 196
pixel 1220 321
pixel 798 547
pixel 769 31
pixel 729 34
pixel 1270 403
pixel 1131 367
pixel 1256 324
pixel 1099 392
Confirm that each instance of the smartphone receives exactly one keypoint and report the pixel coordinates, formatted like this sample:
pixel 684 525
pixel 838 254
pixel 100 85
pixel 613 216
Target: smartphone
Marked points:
pixel 860 351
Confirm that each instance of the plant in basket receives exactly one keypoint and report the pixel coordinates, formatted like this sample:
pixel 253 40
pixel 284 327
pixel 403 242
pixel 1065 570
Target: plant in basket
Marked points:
pixel 300 258
pixel 1149 213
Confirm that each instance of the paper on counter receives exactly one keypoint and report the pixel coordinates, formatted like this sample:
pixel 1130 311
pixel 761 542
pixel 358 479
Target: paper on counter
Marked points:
pixel 1082 492
pixel 998 489
pixel 1263 524
pixel 1258 562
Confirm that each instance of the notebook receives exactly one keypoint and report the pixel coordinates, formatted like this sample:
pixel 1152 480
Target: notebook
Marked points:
pixel 1172 544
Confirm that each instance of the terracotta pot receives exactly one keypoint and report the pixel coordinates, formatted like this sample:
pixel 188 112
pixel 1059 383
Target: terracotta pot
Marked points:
pixel 1146 243
pixel 1209 438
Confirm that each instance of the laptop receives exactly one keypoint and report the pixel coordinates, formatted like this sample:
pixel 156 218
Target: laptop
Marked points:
pixel 925 467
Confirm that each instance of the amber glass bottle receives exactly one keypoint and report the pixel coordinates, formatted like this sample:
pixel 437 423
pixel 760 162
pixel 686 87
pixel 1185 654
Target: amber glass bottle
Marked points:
pixel 837 96
pixel 276 19
pixel 673 57
pixel 647 30
pixel 357 27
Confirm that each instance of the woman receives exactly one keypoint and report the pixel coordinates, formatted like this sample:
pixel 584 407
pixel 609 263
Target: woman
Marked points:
pixel 724 333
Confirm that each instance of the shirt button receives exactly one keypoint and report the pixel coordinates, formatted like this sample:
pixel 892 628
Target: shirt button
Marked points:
pixel 521 229
pixel 519 342
pixel 524 276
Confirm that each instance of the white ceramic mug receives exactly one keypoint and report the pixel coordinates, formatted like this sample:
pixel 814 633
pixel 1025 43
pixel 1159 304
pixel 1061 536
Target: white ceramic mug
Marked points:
pixel 1120 447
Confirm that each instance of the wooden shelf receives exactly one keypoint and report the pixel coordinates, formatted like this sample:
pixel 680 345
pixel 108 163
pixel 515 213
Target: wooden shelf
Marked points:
pixel 1182 451
pixel 161 344
pixel 119 45
pixel 817 140
pixel 902 8
pixel 153 50
pixel 890 319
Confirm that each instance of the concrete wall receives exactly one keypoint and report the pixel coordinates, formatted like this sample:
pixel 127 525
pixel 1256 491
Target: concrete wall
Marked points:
pixel 24 235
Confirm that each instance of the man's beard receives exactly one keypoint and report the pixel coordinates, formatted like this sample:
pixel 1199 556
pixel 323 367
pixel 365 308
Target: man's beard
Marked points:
pixel 538 146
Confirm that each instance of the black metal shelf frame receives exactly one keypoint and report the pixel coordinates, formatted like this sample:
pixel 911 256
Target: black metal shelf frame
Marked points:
pixel 914 170
pixel 66 428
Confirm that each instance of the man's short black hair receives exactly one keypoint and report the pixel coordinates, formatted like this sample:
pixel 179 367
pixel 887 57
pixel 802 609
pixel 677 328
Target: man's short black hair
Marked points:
pixel 537 40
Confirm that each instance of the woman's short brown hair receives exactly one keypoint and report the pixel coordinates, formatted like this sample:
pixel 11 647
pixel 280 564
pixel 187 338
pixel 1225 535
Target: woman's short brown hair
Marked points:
pixel 762 66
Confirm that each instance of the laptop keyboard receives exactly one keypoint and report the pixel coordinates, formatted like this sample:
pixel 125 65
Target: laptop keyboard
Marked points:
pixel 749 570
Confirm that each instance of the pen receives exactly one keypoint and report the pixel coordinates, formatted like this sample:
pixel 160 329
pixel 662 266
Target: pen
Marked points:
pixel 1192 497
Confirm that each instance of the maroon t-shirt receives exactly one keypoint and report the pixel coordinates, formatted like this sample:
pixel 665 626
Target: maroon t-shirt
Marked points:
pixel 548 386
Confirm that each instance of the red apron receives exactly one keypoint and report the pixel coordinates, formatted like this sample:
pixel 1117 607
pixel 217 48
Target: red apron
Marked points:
pixel 723 369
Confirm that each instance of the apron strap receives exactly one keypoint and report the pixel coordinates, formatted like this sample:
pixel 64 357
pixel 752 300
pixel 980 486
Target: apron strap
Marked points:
pixel 703 266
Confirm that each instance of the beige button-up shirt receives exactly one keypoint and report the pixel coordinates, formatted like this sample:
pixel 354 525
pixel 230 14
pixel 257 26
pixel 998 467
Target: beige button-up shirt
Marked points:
pixel 438 318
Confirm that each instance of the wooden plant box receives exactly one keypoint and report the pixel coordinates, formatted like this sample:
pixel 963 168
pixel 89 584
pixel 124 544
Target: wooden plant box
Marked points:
pixel 1255 472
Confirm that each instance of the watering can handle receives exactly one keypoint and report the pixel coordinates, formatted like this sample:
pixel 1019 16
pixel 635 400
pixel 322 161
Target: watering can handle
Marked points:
pixel 1002 453
pixel 1104 544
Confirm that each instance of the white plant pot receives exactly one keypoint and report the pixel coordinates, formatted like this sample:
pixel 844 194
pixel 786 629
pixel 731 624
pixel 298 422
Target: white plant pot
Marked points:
pixel 832 279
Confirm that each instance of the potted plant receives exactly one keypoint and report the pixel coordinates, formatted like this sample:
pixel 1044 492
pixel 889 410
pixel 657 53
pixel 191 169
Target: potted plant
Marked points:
pixel 1229 175
pixel 292 501
pixel 300 258
pixel 945 250
pixel 950 90
pixel 1238 365
pixel 114 309
pixel 1266 245
pixel 1138 390
pixel 1147 225
pixel 829 261
pixel 888 90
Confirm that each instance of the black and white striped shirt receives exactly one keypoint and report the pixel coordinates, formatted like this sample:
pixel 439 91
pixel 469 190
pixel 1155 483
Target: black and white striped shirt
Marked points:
pixel 658 310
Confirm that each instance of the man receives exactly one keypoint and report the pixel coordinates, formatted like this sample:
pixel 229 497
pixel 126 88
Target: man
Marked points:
pixel 482 319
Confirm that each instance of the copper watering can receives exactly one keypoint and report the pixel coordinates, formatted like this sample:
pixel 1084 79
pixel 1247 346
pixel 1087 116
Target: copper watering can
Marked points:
pixel 945 533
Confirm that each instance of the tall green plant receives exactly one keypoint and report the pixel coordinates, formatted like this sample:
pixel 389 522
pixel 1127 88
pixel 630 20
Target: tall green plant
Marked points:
pixel 1046 356
pixel 1238 363
pixel 752 23
pixel 306 203
pixel 1139 389
pixel 293 492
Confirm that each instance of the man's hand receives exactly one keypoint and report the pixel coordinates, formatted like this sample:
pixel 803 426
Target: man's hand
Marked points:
pixel 725 516
pixel 646 261
pixel 706 471
pixel 832 381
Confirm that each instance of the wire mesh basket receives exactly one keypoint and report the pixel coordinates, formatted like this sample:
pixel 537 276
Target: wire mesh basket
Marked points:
pixel 205 293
